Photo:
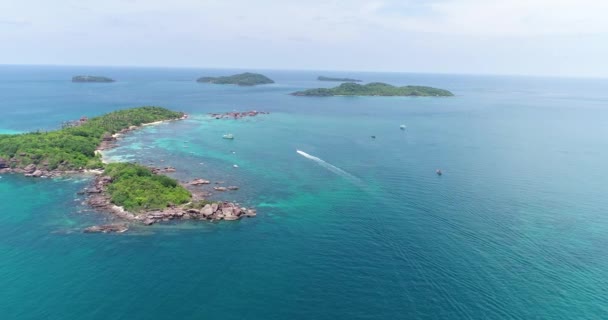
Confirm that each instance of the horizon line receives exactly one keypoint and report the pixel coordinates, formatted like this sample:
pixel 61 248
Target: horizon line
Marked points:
pixel 307 70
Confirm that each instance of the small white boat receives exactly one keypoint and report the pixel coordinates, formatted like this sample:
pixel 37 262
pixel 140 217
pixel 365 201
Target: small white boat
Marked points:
pixel 402 127
pixel 228 136
pixel 235 166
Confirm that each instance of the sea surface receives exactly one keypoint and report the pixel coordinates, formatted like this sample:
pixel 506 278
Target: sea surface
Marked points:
pixel 350 228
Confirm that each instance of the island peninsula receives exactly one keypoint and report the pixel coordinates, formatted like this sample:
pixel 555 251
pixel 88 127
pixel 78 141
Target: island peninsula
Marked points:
pixel 130 191
pixel 241 79
pixel 374 89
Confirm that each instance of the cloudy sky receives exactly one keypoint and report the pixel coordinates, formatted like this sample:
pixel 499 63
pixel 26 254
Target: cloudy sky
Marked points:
pixel 534 37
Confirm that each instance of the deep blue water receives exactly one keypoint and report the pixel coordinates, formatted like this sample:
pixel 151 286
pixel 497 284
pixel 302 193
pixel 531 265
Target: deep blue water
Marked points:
pixel 516 228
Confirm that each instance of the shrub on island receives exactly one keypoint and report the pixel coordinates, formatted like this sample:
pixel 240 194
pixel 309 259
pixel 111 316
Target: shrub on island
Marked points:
pixel 136 188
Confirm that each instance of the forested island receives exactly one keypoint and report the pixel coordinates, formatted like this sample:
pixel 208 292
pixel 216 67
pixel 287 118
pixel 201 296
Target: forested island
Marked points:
pixel 323 78
pixel 130 191
pixel 73 147
pixel 374 89
pixel 241 79
pixel 91 79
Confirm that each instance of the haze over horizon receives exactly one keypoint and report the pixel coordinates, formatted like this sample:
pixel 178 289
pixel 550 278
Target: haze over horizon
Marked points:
pixel 541 37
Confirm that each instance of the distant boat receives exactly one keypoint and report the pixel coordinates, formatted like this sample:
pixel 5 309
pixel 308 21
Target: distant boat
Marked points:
pixel 438 172
pixel 228 136
pixel 235 166
pixel 402 127
pixel 373 137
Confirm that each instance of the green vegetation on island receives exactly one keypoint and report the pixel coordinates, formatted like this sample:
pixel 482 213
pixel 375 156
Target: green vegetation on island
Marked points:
pixel 136 188
pixel 374 89
pixel 73 147
pixel 91 79
pixel 242 79
pixel 323 78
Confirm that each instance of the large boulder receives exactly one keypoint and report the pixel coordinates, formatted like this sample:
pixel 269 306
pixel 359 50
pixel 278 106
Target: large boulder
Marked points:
pixel 207 210
pixel 193 211
pixel 149 221
pixel 30 168
pixel 230 212
pixel 227 211
pixel 105 179
pixel 231 217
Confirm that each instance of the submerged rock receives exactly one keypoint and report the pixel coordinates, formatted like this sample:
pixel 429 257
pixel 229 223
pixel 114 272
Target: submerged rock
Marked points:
pixel 197 182
pixel 107 228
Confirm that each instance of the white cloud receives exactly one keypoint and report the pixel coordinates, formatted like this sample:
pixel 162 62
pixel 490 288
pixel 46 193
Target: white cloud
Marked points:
pixel 511 17
pixel 333 20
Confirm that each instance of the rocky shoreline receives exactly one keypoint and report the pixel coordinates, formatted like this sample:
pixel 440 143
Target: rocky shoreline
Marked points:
pixel 34 171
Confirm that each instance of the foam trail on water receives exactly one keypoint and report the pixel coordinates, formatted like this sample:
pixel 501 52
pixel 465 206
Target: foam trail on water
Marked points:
pixel 330 167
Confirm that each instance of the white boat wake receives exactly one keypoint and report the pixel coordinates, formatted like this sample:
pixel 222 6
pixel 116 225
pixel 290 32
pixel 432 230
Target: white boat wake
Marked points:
pixel 330 167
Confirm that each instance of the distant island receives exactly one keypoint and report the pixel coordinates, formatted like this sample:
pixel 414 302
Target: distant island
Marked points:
pixel 130 191
pixel 91 79
pixel 241 79
pixel 322 78
pixel 374 89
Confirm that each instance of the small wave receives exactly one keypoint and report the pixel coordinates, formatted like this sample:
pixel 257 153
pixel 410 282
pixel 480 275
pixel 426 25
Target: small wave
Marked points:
pixel 330 167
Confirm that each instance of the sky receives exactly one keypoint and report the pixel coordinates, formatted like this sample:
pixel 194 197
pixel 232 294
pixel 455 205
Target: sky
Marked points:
pixel 529 37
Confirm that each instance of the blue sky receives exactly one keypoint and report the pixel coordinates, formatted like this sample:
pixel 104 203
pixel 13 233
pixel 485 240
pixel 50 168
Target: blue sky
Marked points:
pixel 535 37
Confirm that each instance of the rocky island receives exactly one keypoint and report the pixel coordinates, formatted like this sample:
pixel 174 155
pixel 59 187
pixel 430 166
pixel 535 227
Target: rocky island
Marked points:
pixel 242 79
pixel 136 193
pixel 129 191
pixel 322 78
pixel 237 115
pixel 97 79
pixel 374 89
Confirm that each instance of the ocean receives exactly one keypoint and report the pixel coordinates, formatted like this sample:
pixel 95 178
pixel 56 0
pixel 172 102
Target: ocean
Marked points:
pixel 349 228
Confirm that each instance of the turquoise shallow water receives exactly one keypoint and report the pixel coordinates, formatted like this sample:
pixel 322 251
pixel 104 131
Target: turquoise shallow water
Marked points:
pixel 514 229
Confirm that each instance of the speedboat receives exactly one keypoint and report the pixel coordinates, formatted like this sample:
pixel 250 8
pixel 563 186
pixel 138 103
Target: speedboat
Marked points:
pixel 228 136
pixel 438 172
pixel 402 127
